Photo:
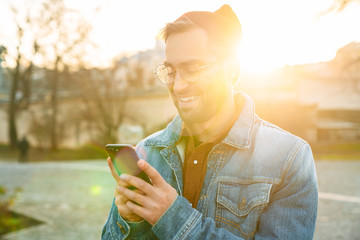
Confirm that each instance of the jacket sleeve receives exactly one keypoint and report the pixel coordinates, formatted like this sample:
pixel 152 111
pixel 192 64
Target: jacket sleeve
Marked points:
pixel 117 228
pixel 181 221
pixel 292 211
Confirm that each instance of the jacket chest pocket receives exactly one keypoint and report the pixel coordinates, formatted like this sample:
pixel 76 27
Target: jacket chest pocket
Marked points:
pixel 239 206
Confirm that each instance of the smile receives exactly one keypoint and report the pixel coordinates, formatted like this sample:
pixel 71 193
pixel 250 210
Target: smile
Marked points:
pixel 188 99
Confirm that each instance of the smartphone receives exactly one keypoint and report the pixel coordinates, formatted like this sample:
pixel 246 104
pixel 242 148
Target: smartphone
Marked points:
pixel 124 158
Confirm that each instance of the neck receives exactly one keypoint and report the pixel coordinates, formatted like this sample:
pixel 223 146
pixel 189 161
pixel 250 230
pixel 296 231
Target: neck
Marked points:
pixel 213 128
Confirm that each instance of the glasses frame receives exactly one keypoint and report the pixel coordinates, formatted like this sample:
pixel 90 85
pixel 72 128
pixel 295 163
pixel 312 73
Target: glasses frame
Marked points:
pixel 200 68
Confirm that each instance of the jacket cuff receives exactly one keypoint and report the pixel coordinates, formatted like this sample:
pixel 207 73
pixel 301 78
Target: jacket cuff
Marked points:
pixel 177 220
pixel 138 230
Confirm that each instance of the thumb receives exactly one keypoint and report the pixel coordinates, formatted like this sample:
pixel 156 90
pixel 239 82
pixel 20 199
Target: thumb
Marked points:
pixel 153 174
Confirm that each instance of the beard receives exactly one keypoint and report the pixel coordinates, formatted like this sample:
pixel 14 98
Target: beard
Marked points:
pixel 201 110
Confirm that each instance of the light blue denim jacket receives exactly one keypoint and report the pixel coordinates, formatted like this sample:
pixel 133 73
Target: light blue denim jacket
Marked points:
pixel 260 184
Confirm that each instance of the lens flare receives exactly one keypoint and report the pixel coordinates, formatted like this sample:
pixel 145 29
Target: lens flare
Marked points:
pixel 96 190
pixel 125 161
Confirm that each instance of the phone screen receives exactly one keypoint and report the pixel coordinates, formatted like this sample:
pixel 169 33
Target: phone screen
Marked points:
pixel 124 158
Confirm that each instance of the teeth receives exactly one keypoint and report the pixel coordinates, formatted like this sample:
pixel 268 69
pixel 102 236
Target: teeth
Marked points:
pixel 187 99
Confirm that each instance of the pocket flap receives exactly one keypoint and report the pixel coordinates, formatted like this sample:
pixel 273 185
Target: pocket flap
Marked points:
pixel 240 198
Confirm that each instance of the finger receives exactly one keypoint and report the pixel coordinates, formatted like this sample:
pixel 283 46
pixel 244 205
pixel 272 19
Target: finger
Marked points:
pixel 118 195
pixel 139 191
pixel 138 210
pixel 120 200
pixel 123 183
pixel 154 175
pixel 118 191
pixel 132 195
pixel 124 210
pixel 127 185
pixel 137 183
pixel 113 170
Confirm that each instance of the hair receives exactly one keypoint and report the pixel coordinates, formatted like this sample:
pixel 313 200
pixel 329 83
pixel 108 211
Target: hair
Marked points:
pixel 178 26
pixel 222 49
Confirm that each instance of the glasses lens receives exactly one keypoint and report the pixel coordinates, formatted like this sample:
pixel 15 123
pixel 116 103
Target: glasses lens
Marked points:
pixel 165 74
pixel 190 72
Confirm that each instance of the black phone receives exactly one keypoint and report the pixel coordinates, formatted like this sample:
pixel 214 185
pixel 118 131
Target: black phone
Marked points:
pixel 124 158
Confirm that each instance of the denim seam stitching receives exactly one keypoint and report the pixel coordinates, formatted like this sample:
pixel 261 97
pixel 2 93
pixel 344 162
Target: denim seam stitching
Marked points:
pixel 228 222
pixel 112 234
pixel 290 160
pixel 254 204
pixel 275 181
pixel 167 210
pixel 162 153
pixel 294 155
pixel 213 180
pixel 190 225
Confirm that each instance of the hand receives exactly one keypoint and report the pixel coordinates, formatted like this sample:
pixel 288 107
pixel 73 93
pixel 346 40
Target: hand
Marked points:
pixel 120 199
pixel 154 199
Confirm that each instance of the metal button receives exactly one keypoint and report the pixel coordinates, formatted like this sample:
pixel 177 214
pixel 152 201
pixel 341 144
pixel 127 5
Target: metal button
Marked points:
pixel 122 229
pixel 195 162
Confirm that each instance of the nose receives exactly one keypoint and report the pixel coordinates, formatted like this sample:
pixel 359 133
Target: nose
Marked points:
pixel 179 83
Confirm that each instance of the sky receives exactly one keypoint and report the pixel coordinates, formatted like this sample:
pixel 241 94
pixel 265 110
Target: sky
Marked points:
pixel 275 33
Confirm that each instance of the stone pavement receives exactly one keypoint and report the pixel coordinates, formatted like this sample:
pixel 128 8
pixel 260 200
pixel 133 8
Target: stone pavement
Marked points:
pixel 339 200
pixel 73 198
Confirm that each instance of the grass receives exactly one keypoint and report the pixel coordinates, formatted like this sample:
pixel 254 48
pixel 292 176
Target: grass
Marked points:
pixel 12 221
pixel 336 151
pixel 89 151
pixel 9 220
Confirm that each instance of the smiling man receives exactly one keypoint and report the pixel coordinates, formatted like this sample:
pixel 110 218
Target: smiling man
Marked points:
pixel 218 171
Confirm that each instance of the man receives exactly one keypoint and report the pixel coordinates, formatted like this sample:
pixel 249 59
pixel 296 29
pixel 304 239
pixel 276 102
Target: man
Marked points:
pixel 218 171
pixel 23 150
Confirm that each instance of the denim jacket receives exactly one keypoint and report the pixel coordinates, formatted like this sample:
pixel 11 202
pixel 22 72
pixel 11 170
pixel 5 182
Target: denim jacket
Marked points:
pixel 260 184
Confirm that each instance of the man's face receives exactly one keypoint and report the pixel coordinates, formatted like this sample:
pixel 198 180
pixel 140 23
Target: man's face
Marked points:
pixel 202 100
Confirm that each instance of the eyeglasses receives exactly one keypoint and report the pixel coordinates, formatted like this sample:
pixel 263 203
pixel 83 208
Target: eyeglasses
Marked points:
pixel 190 72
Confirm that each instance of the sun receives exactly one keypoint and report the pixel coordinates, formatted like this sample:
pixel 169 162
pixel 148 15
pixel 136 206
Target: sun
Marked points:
pixel 291 33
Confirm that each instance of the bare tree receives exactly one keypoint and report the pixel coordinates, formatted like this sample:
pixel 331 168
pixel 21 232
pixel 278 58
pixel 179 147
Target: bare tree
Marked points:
pixel 20 77
pixel 104 104
pixel 340 5
pixel 64 34
pixel 3 52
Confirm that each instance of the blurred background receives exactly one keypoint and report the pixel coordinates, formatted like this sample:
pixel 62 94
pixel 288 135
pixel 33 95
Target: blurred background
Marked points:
pixel 75 73
pixel 78 74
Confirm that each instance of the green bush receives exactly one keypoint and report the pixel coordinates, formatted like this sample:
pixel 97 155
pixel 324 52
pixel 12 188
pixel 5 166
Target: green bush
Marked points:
pixel 7 221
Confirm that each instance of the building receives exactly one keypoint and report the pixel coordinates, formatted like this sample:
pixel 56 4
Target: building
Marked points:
pixel 334 88
pixel 137 71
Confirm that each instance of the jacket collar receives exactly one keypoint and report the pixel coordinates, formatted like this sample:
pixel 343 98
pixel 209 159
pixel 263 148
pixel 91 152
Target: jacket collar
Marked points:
pixel 168 136
pixel 238 136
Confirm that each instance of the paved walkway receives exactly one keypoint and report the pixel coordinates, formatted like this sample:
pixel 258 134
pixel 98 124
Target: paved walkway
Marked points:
pixel 73 198
pixel 339 205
